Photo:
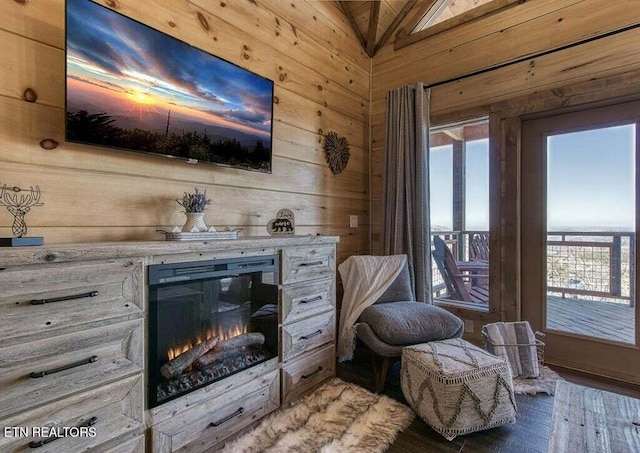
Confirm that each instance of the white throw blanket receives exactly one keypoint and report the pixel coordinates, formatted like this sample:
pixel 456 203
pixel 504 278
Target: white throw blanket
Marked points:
pixel 365 278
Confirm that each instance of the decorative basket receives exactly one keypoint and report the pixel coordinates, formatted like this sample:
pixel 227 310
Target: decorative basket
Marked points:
pixel 538 344
pixel 200 236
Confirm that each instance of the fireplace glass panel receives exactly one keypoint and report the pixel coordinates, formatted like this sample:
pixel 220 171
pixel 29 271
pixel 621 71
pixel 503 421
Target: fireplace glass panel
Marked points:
pixel 209 320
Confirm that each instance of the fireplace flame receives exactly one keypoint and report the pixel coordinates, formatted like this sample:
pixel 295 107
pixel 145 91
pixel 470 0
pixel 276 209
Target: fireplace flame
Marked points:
pixel 175 351
pixel 233 331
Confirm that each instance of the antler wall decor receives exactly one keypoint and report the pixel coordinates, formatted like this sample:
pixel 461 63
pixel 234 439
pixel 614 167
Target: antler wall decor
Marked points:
pixel 337 149
pixel 19 204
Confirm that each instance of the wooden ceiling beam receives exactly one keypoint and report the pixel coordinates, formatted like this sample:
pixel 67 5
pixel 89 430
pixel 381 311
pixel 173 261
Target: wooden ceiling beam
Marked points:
pixel 374 15
pixel 399 18
pixel 439 139
pixel 476 132
pixel 347 12
pixel 456 134
pixel 467 133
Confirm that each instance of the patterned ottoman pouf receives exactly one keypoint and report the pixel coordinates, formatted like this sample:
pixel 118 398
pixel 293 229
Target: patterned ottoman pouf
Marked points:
pixel 456 387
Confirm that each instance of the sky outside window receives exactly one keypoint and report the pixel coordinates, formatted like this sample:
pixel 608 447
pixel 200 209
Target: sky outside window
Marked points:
pixel 477 185
pixel 441 187
pixel 476 190
pixel 590 179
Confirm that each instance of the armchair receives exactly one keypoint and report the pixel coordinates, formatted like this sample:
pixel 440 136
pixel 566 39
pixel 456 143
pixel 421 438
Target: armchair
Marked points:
pixel 396 320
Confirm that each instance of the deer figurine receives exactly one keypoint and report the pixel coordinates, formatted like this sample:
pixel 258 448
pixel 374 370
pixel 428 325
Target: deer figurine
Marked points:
pixel 19 205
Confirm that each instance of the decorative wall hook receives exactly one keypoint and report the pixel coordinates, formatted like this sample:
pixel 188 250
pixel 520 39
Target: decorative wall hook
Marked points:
pixel 337 150
pixel 48 144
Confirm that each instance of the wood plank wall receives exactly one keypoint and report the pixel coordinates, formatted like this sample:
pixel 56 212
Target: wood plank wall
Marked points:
pixel 496 65
pixel 322 82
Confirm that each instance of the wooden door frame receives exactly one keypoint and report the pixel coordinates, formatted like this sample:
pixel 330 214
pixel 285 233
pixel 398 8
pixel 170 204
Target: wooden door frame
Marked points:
pixel 615 360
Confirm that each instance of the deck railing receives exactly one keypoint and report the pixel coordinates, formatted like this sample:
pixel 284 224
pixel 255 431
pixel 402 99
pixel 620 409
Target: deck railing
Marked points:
pixel 597 265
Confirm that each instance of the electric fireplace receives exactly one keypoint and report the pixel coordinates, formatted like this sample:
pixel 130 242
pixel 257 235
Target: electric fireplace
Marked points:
pixel 209 320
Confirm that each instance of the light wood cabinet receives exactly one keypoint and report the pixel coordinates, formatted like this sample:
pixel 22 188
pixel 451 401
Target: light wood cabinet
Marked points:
pixel 301 264
pixel 73 335
pixel 135 445
pixel 41 301
pixel 114 410
pixel 308 334
pixel 308 313
pixel 307 299
pixel 205 426
pixel 71 352
pixel 302 375
pixel 45 370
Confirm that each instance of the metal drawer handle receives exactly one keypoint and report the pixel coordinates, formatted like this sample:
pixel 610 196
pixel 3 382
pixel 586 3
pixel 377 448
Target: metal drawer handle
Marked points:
pixel 308 301
pixel 307 376
pixel 39 374
pixel 311 335
pixel 60 299
pixel 39 443
pixel 313 263
pixel 228 417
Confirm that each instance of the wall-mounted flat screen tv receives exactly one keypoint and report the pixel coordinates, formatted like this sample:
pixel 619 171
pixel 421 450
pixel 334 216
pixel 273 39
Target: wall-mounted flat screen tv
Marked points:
pixel 131 87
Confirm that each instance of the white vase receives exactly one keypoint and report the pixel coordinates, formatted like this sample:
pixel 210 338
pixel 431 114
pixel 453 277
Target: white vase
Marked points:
pixel 194 220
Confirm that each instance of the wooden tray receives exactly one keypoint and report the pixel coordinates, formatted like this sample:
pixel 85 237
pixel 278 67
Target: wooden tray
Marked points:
pixel 203 236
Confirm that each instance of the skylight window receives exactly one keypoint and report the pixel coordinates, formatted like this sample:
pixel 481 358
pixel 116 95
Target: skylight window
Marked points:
pixel 443 10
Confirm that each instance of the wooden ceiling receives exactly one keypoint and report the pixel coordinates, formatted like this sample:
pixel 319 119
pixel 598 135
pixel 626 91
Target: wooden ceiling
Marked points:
pixel 380 21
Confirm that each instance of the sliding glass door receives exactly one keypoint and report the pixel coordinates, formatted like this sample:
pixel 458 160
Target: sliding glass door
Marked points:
pixel 579 215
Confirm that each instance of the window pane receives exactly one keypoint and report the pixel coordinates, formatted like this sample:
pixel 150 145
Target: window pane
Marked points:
pixel 590 232
pixel 440 178
pixel 459 208
pixel 477 185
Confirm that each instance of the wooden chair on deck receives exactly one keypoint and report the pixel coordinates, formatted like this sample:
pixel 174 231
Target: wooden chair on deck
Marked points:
pixel 454 279
pixel 479 250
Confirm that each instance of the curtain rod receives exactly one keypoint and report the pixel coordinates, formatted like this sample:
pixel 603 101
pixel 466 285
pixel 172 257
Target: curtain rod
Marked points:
pixel 537 55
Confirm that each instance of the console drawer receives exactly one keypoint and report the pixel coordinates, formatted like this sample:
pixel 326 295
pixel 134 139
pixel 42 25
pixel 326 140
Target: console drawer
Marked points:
pixel 40 371
pixel 41 301
pixel 205 426
pixel 131 446
pixel 307 263
pixel 306 372
pixel 308 299
pixel 115 409
pixel 308 334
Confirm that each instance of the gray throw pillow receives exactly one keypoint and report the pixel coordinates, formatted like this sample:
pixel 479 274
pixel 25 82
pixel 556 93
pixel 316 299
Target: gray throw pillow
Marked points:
pixel 400 289
pixel 406 323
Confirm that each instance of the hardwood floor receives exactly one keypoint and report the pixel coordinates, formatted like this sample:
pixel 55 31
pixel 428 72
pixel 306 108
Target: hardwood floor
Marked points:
pixel 528 435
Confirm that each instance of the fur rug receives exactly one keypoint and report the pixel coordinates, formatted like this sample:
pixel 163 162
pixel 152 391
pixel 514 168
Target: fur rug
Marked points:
pixel 338 417
pixel 546 384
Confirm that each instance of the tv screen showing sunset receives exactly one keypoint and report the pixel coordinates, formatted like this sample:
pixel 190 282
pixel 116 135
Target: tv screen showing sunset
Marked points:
pixel 132 87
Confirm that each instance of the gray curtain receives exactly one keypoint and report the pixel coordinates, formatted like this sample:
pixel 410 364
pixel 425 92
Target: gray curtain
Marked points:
pixel 406 183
